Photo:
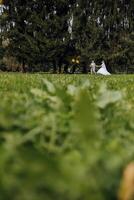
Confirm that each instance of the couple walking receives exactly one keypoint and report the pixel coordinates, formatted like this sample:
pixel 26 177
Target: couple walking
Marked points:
pixel 102 70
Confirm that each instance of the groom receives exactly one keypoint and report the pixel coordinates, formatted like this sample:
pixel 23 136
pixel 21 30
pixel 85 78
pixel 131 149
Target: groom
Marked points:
pixel 92 67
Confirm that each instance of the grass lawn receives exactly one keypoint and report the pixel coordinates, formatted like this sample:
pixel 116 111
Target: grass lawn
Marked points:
pixel 66 137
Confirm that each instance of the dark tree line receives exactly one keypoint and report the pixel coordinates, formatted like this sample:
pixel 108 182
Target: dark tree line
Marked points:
pixel 46 35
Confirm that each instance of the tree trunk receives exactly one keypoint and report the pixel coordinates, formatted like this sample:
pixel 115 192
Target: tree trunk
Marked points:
pixel 66 68
pixel 60 66
pixel 54 67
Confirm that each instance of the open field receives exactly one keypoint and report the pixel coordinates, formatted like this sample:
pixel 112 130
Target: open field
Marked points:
pixel 64 137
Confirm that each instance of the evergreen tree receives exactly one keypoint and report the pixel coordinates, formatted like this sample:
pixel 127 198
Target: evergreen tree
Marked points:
pixel 38 32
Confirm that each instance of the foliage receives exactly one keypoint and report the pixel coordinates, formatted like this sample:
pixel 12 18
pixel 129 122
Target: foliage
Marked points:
pixel 52 32
pixel 64 137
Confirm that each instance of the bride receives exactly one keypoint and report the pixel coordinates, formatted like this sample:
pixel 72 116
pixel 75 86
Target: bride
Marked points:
pixel 103 69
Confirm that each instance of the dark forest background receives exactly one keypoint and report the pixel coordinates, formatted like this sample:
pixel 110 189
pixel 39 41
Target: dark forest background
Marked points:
pixel 45 35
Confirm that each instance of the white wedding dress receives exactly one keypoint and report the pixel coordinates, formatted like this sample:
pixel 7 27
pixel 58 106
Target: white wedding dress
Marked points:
pixel 103 70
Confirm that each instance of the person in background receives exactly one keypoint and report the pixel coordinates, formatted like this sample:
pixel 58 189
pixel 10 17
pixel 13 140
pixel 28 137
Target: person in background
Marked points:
pixel 103 69
pixel 92 67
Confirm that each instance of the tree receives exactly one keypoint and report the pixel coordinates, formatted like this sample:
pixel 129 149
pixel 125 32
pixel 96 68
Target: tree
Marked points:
pixel 38 32
pixel 100 28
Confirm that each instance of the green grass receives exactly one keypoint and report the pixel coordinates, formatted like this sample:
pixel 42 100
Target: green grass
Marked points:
pixel 64 136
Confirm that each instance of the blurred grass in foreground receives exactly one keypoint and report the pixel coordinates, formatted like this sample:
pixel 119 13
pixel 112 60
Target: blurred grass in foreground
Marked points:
pixel 64 136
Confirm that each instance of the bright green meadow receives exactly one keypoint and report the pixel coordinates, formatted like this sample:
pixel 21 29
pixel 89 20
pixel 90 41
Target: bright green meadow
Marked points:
pixel 64 137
